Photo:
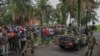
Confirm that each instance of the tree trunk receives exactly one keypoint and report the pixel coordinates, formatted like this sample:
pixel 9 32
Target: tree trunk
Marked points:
pixel 79 10
pixel 43 17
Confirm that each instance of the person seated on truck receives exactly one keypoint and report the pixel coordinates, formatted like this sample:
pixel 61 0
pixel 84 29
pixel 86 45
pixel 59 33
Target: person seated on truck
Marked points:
pixel 72 34
pixel 66 32
pixel 76 33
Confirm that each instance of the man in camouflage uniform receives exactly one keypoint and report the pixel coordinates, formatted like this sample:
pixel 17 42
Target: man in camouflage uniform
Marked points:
pixel 30 41
pixel 70 30
pixel 91 43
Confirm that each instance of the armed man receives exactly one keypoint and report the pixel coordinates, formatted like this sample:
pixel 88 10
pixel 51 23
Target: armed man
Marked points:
pixel 30 41
pixel 91 44
pixel 70 30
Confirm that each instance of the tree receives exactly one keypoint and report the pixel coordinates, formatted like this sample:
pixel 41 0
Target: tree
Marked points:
pixel 3 7
pixel 20 10
pixel 43 10
pixel 87 8
pixel 82 7
pixel 65 7
pixel 62 12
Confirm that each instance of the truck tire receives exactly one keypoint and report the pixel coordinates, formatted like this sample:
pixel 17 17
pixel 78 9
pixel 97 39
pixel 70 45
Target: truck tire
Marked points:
pixel 62 47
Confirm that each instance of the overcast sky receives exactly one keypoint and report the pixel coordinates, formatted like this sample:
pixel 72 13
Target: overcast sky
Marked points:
pixel 55 2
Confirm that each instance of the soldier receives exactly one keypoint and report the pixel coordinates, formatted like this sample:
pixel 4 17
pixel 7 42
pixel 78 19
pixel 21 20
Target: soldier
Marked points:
pixel 70 30
pixel 30 40
pixel 72 34
pixel 91 43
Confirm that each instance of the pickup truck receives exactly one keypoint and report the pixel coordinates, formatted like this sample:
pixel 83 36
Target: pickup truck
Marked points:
pixel 65 41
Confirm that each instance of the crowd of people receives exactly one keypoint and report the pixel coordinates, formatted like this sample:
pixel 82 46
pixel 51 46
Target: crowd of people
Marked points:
pixel 18 37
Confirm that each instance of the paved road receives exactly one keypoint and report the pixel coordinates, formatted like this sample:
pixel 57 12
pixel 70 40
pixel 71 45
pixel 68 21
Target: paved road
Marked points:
pixel 54 50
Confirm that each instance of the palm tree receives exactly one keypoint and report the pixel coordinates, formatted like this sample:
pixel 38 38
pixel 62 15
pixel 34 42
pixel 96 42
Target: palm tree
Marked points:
pixel 86 19
pixel 80 6
pixel 43 10
pixel 61 11
pixel 20 9
pixel 66 6
pixel 3 7
pixel 87 7
pixel 49 11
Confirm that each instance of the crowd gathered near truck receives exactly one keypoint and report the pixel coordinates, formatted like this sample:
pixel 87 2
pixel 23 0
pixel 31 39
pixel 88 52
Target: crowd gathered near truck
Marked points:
pixel 18 38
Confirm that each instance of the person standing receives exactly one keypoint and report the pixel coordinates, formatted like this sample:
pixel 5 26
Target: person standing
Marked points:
pixel 4 43
pixel 1 34
pixel 51 32
pixel 43 35
pixel 86 31
pixel 22 35
pixel 30 40
pixel 46 32
pixel 91 44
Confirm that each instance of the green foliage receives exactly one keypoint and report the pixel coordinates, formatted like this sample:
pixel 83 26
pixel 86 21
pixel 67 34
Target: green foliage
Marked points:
pixel 43 11
pixel 19 9
pixel 7 19
pixel 98 28
pixel 12 10
pixel 61 12
pixel 90 16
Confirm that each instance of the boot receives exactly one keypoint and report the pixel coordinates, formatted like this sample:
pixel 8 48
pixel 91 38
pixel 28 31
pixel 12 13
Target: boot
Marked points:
pixel 32 52
pixel 86 54
pixel 23 54
pixel 91 53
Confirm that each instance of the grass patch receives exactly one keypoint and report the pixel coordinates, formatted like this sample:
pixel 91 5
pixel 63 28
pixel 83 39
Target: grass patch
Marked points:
pixel 98 28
